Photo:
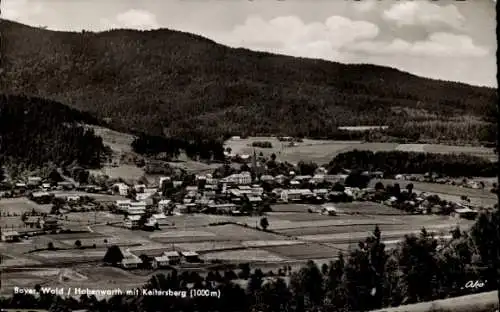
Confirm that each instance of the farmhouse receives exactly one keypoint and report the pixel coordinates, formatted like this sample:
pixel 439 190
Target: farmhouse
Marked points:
pixel 280 179
pixel 238 178
pixel 41 197
pixel 123 205
pixel 173 257
pixel 20 186
pixel 295 195
pixel 159 262
pixel 465 213
pixel 121 188
pixel 66 185
pixel 139 188
pixel 131 262
pixel 34 181
pixel 10 236
pixel 32 221
pixel 267 178
pixel 132 222
pixel 72 198
pixel 49 223
pixel 190 256
pixel 137 208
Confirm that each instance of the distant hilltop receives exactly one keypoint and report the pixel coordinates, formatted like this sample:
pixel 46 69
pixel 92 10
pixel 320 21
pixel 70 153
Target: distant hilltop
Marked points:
pixel 166 81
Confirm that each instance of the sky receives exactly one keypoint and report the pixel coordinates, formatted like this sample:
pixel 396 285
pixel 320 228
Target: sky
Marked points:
pixel 446 39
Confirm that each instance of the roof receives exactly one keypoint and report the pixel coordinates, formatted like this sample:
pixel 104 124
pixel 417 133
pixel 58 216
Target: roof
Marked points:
pixel 139 203
pixel 189 254
pixel 125 201
pixel 164 201
pixel 172 253
pixel 131 260
pixel 40 194
pixel 159 216
pixel 161 258
pixel 134 218
pixel 10 233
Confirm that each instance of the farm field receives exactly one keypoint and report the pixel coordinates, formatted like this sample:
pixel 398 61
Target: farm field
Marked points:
pixel 21 205
pixel 253 255
pixel 480 196
pixel 322 151
pixel 305 251
pixel 368 208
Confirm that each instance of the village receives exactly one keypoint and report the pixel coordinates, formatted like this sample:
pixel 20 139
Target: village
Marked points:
pixel 253 215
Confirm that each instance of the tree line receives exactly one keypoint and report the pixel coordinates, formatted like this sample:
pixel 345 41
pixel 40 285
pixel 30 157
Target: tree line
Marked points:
pixel 371 276
pixel 37 131
pixel 199 148
pixel 151 81
pixel 398 162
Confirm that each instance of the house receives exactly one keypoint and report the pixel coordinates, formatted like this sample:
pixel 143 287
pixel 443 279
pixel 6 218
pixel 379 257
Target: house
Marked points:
pixel 159 217
pixel 72 198
pixel 267 178
pixel 10 236
pixel 191 189
pixel 280 179
pixel 238 178
pixel 254 200
pixel 121 188
pixel 139 188
pixel 190 256
pixel 132 222
pixel 302 178
pixel 132 262
pixel 20 186
pixel 222 207
pixel 66 185
pixel 34 181
pixel 317 178
pixel 123 205
pixel 465 213
pixel 173 257
pixel 177 183
pixel 137 208
pixel 41 197
pixel 295 194
pixel 329 210
pixel 163 179
pixel 143 196
pixel 46 186
pixel 320 192
pixel 32 221
pixel 49 223
pixel 164 205
pixel 159 262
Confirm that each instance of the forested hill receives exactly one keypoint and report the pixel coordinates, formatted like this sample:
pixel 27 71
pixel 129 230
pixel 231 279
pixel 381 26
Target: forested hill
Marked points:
pixel 35 132
pixel 155 80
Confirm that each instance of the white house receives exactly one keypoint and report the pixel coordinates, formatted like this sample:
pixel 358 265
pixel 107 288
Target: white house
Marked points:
pixel 122 188
pixel 9 236
pixel 131 262
pixel 123 205
pixel 143 196
pixel 34 181
pixel 173 257
pixel 137 208
pixel 163 179
pixel 239 178
pixel 132 222
pixel 294 194
pixel 72 198
pixel 160 262
pixel 139 188
pixel 267 178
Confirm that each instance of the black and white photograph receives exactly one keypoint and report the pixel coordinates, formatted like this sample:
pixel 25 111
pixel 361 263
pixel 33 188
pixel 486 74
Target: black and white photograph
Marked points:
pixel 249 156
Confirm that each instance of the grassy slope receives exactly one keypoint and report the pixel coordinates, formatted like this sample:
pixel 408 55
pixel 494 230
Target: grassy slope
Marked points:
pixel 167 79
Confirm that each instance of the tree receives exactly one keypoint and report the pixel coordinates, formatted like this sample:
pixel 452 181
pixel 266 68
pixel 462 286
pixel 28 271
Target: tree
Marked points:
pixel 273 157
pixel 50 246
pixel 379 186
pixel 113 255
pixel 264 223
pixel 409 187
pixel 78 244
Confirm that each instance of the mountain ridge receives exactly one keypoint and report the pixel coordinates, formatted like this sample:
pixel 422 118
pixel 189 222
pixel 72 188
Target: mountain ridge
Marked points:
pixel 176 83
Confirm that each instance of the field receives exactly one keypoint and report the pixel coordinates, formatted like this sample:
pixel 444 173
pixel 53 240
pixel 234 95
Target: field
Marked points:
pixel 451 192
pixel 322 151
